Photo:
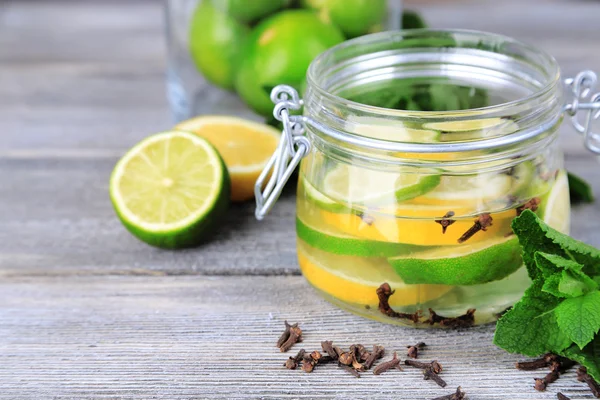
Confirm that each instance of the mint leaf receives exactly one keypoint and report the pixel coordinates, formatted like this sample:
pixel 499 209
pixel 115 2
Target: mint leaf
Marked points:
pixel 563 277
pixel 534 235
pixel 589 357
pixel 530 327
pixel 575 284
pixel 579 190
pixel 579 318
pixel 551 285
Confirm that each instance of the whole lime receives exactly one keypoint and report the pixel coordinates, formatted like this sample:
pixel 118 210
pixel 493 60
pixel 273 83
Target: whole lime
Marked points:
pixel 353 17
pixel 279 51
pixel 250 10
pixel 216 41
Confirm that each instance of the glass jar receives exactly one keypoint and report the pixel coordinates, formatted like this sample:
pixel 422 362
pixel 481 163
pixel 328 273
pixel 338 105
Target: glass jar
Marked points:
pixel 224 56
pixel 418 149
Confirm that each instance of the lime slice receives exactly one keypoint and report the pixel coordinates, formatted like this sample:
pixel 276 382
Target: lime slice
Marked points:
pixel 473 264
pixel 356 279
pixel 361 186
pixel 393 131
pixel 338 243
pixel 321 201
pixel 464 126
pixel 557 209
pixel 475 190
pixel 170 189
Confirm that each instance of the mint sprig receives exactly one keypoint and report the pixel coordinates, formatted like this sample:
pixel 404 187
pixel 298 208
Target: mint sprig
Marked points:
pixel 560 312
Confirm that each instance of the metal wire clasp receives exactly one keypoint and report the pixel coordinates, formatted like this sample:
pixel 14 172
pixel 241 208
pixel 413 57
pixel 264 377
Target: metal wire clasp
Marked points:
pixel 293 146
pixel 581 87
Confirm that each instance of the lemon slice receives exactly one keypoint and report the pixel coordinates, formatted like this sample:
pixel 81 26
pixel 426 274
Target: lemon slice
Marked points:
pixel 469 264
pixel 245 146
pixel 170 189
pixel 557 211
pixel 356 185
pixel 356 279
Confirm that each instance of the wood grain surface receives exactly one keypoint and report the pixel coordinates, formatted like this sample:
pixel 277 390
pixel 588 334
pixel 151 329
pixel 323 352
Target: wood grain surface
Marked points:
pixel 88 312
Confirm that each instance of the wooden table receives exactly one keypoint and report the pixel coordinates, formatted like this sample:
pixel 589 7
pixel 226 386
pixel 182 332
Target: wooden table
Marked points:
pixel 87 311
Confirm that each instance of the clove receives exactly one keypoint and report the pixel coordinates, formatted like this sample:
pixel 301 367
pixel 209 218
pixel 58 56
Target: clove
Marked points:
pixel 285 335
pixel 542 362
pixel 429 373
pixel 465 320
pixel 532 205
pixel 328 348
pixel 386 366
pixel 292 362
pixel 458 395
pixel 445 221
pixel 482 222
pixel 350 370
pixel 433 365
pixel 552 376
pixel 413 351
pixel 561 396
pixel 346 358
pixel 310 361
pixel 294 336
pixel 376 354
pixel 384 292
pixel 583 376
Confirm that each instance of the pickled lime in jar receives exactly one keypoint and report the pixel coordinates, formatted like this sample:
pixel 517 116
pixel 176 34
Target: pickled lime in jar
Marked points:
pixel 418 149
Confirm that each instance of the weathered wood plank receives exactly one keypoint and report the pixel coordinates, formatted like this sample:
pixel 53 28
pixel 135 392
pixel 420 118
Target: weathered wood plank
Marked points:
pixel 56 218
pixel 201 337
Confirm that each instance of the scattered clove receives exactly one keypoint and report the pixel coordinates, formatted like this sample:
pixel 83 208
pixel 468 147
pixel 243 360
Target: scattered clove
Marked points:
pixel 458 395
pixel 386 366
pixel 542 362
pixel 552 376
pixel 292 362
pixel 384 292
pixel 285 335
pixel 583 376
pixel 310 361
pixel 532 205
pixel 350 370
pixel 561 396
pixel 482 222
pixel 445 221
pixel 346 358
pixel 376 354
pixel 434 365
pixel 465 320
pixel 430 373
pixel 413 351
pixel 328 348
pixel 360 353
pixel 293 336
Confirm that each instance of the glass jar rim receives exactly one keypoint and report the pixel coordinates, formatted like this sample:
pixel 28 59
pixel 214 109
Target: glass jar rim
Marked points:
pixel 319 63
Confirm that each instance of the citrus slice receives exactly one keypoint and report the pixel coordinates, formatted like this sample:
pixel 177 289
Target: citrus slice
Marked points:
pixel 465 125
pixel 336 242
pixel 170 189
pixel 320 200
pixel 245 146
pixel 393 131
pixel 557 209
pixel 356 279
pixel 469 264
pixel 361 186
pixel 463 190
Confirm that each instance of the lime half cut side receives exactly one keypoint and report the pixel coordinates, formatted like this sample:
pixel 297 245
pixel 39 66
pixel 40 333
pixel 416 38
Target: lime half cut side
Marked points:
pixel 478 263
pixel 365 187
pixel 557 209
pixel 170 189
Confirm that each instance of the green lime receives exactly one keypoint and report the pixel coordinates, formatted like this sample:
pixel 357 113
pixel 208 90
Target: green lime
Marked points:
pixel 353 17
pixel 250 10
pixel 322 201
pixel 279 51
pixel 556 205
pixel 216 41
pixel 366 187
pixel 170 189
pixel 340 244
pixel 473 264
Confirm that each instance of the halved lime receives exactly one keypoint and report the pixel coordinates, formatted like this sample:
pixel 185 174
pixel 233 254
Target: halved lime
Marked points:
pixel 170 189
pixel 356 279
pixel 341 244
pixel 556 205
pixel 361 186
pixel 473 264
